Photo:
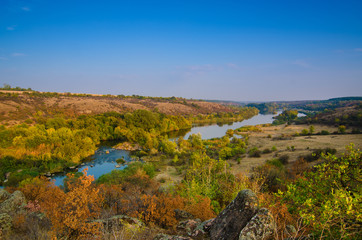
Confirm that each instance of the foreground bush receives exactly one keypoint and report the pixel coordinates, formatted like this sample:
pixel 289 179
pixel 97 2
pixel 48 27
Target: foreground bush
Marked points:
pixel 329 198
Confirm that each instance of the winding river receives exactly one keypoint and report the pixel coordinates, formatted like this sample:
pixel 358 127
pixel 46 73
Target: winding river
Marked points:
pixel 104 159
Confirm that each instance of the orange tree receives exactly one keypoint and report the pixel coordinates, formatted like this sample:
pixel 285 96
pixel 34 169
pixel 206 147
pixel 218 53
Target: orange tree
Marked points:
pixel 71 212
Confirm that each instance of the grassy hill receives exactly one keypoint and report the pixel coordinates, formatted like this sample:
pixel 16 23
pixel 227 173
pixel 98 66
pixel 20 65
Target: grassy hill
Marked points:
pixel 19 106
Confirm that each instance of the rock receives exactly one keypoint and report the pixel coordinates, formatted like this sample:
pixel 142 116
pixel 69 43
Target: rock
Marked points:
pixel 5 222
pixel 7 175
pixel 229 223
pixel 162 236
pixel 182 215
pixel 260 227
pixel 14 203
pixel 118 166
pixel 119 220
pixel 201 231
pixel 290 231
pixel 187 227
pixel 3 195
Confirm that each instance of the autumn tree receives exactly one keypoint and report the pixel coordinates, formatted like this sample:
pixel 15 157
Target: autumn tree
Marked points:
pixel 72 212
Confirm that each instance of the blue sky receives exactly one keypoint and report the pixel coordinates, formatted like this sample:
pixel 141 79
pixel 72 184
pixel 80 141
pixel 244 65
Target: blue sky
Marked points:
pixel 232 50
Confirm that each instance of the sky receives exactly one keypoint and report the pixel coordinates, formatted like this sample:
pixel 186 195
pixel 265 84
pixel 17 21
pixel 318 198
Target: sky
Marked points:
pixel 241 50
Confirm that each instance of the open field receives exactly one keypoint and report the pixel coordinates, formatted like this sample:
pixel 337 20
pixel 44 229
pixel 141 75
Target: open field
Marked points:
pixel 303 145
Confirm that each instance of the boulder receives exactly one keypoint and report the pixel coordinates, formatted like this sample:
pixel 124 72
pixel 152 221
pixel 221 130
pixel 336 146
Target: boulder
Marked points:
pixel 14 203
pixel 260 227
pixel 229 223
pixel 162 236
pixel 3 195
pixel 182 215
pixel 5 222
pixel 119 220
pixel 186 227
pixel 201 231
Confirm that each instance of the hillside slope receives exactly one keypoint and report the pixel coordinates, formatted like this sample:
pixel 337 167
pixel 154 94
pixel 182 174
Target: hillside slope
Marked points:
pixel 18 106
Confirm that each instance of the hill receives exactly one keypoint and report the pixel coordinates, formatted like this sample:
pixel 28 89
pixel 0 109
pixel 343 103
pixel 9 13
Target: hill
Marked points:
pixel 18 106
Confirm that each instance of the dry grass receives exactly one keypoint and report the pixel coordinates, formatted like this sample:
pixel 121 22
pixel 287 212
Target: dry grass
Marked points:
pixel 22 106
pixel 303 145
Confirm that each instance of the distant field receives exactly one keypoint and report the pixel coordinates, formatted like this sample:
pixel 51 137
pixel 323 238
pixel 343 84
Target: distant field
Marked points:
pixel 303 145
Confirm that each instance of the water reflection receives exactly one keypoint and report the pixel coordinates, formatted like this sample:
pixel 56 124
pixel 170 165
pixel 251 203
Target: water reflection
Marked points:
pixel 103 161
pixel 219 130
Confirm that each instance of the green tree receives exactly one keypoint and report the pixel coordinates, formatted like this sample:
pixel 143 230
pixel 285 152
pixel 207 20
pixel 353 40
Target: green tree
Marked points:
pixel 329 198
pixel 342 129
pixel 311 129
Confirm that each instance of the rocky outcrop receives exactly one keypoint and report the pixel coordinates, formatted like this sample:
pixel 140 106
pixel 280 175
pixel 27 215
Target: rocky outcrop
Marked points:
pixel 187 227
pixel 162 236
pixel 233 219
pixel 3 195
pixel 10 205
pixel 14 203
pixel 242 219
pixel 118 221
pixel 5 222
pixel 182 215
pixel 261 226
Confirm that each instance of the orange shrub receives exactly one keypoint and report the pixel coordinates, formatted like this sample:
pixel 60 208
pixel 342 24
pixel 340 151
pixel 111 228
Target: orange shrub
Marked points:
pixel 201 208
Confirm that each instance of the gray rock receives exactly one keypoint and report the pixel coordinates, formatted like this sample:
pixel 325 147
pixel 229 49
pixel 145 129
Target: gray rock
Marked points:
pixel 3 195
pixel 186 227
pixel 119 220
pixel 5 222
pixel 201 231
pixel 229 223
pixel 260 227
pixel 162 236
pixel 182 215
pixel 14 203
pixel 290 231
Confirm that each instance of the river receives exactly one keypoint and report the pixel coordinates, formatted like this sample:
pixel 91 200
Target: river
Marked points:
pixel 104 159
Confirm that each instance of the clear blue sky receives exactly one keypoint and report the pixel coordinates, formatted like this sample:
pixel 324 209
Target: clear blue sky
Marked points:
pixel 236 50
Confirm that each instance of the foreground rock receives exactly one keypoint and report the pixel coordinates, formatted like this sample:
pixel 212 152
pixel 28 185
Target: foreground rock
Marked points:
pixel 233 219
pixel 119 221
pixel 10 205
pixel 261 226
pixel 14 203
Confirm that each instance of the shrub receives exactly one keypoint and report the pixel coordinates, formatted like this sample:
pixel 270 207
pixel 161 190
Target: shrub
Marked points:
pixel 328 198
pixel 284 159
pixel 267 150
pixel 254 152
pixel 324 132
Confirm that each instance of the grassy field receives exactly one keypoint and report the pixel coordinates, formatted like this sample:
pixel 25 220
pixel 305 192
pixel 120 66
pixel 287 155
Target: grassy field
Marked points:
pixel 282 138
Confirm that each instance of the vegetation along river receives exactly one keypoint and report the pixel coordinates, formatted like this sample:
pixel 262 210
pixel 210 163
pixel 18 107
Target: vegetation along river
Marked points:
pixel 104 159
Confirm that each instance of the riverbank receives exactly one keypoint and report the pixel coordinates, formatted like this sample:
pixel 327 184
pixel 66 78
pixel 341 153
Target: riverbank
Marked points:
pixel 272 142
